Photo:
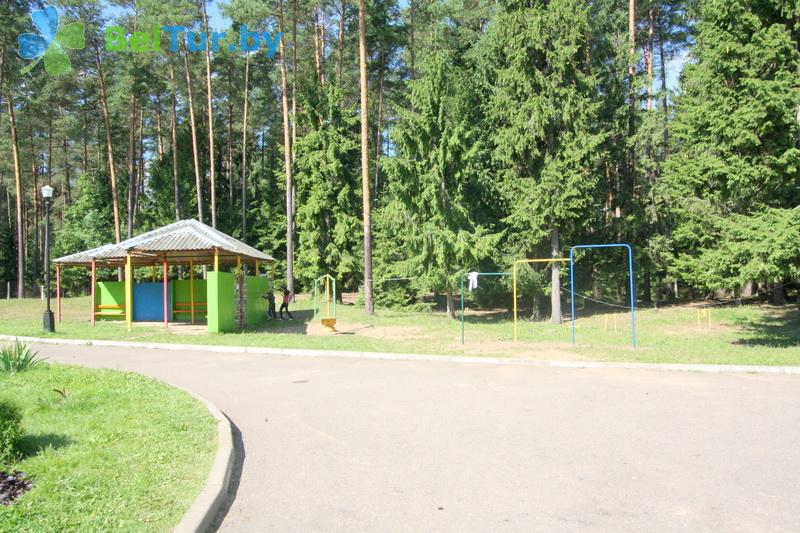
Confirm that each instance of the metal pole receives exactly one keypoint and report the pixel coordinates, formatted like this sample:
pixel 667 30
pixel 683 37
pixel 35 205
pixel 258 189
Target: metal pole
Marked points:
pixel 58 292
pixel 462 307
pixel 128 291
pixel 572 291
pixel 94 283
pixel 633 296
pixel 514 276
pixel 191 287
pixel 166 295
pixel 49 323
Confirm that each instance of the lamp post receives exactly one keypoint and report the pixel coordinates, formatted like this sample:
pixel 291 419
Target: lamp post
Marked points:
pixel 47 196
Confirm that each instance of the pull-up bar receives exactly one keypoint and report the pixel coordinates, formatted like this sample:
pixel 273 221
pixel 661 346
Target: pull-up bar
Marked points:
pixel 630 276
pixel 526 261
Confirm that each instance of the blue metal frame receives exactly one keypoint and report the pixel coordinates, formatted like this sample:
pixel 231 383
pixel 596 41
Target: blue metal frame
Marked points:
pixel 630 277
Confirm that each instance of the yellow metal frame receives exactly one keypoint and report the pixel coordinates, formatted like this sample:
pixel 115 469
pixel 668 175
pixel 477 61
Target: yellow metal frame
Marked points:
pixel 514 276
pixel 128 292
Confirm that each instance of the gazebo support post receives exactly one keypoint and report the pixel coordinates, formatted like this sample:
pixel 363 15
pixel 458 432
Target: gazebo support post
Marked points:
pixel 58 293
pixel 256 269
pixel 94 283
pixel 216 260
pixel 128 291
pixel 166 293
pixel 191 286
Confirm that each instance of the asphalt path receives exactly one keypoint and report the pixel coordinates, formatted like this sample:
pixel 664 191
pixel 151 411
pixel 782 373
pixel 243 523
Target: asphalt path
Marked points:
pixel 346 444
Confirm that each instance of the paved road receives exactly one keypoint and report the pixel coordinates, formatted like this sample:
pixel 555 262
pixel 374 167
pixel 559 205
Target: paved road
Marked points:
pixel 336 444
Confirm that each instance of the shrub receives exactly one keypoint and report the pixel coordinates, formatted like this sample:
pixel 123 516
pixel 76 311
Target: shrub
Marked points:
pixel 18 357
pixel 10 431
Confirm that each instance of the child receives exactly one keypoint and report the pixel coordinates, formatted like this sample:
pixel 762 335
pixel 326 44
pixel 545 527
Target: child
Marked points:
pixel 287 296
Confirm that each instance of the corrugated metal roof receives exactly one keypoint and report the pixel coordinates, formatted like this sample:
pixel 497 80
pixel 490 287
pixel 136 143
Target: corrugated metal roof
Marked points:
pixel 168 241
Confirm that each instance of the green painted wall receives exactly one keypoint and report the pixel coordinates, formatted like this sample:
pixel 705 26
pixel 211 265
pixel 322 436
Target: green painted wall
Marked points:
pixel 256 305
pixel 181 295
pixel 110 293
pixel 221 302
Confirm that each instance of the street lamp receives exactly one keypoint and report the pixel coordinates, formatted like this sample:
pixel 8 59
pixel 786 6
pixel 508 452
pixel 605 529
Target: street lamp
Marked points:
pixel 47 196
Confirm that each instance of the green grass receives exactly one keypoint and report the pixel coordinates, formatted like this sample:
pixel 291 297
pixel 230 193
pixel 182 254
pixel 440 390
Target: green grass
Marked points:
pixel 737 335
pixel 121 452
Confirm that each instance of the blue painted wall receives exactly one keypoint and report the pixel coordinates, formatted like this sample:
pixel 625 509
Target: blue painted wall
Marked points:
pixel 148 302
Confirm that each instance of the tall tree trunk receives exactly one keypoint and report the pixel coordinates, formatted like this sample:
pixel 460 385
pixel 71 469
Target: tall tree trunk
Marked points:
pixel 369 306
pixel 36 255
pixel 213 184
pixel 131 165
pixel 193 127
pixel 50 150
pixel 67 185
pixel 159 143
pixel 244 145
pixel 140 172
pixel 294 83
pixel 109 146
pixel 287 160
pixel 555 278
pixel 379 135
pixel 664 93
pixel 18 193
pixel 340 56
pixel 174 133
pixel 318 47
pixel 229 157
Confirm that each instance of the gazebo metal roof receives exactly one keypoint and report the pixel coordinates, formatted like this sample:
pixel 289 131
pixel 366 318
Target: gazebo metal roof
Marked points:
pixel 178 242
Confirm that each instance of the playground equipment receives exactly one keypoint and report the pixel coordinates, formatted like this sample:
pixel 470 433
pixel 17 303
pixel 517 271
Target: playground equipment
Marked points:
pixel 490 274
pixel 330 320
pixel 572 284
pixel 514 273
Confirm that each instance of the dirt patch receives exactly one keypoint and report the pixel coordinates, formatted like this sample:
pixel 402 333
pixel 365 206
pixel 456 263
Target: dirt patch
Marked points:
pixel 12 486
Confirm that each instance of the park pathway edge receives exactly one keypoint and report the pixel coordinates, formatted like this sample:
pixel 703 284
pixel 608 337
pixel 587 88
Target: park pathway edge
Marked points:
pixel 301 352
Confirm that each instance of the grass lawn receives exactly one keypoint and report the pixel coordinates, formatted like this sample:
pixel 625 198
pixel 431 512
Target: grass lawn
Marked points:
pixel 121 452
pixel 753 334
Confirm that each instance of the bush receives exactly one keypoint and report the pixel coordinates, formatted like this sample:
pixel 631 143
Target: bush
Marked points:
pixel 18 357
pixel 10 431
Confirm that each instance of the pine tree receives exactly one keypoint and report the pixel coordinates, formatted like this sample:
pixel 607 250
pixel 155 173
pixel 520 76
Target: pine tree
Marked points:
pixel 542 122
pixel 436 180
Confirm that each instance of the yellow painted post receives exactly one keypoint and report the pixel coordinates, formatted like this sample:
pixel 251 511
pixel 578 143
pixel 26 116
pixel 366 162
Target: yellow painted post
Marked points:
pixel 191 286
pixel 128 292
pixel 514 275
pixel 328 296
pixel 238 265
pixel 257 268
pixel 216 260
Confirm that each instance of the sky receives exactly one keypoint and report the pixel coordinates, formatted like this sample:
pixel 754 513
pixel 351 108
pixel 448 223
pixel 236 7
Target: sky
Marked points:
pixel 217 21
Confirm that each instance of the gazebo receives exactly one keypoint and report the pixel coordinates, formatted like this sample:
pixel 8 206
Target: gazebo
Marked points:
pixel 226 299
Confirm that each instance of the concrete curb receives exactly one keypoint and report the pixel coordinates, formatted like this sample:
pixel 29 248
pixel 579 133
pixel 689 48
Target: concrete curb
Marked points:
pixel 201 514
pixel 293 352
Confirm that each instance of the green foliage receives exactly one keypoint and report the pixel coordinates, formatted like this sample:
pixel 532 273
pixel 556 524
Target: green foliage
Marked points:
pixel 436 181
pixel 542 116
pixel 10 431
pixel 328 179
pixel 18 357
pixel 733 175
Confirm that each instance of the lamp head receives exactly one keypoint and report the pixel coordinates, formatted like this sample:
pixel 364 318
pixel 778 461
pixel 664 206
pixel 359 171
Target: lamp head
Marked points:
pixel 47 192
